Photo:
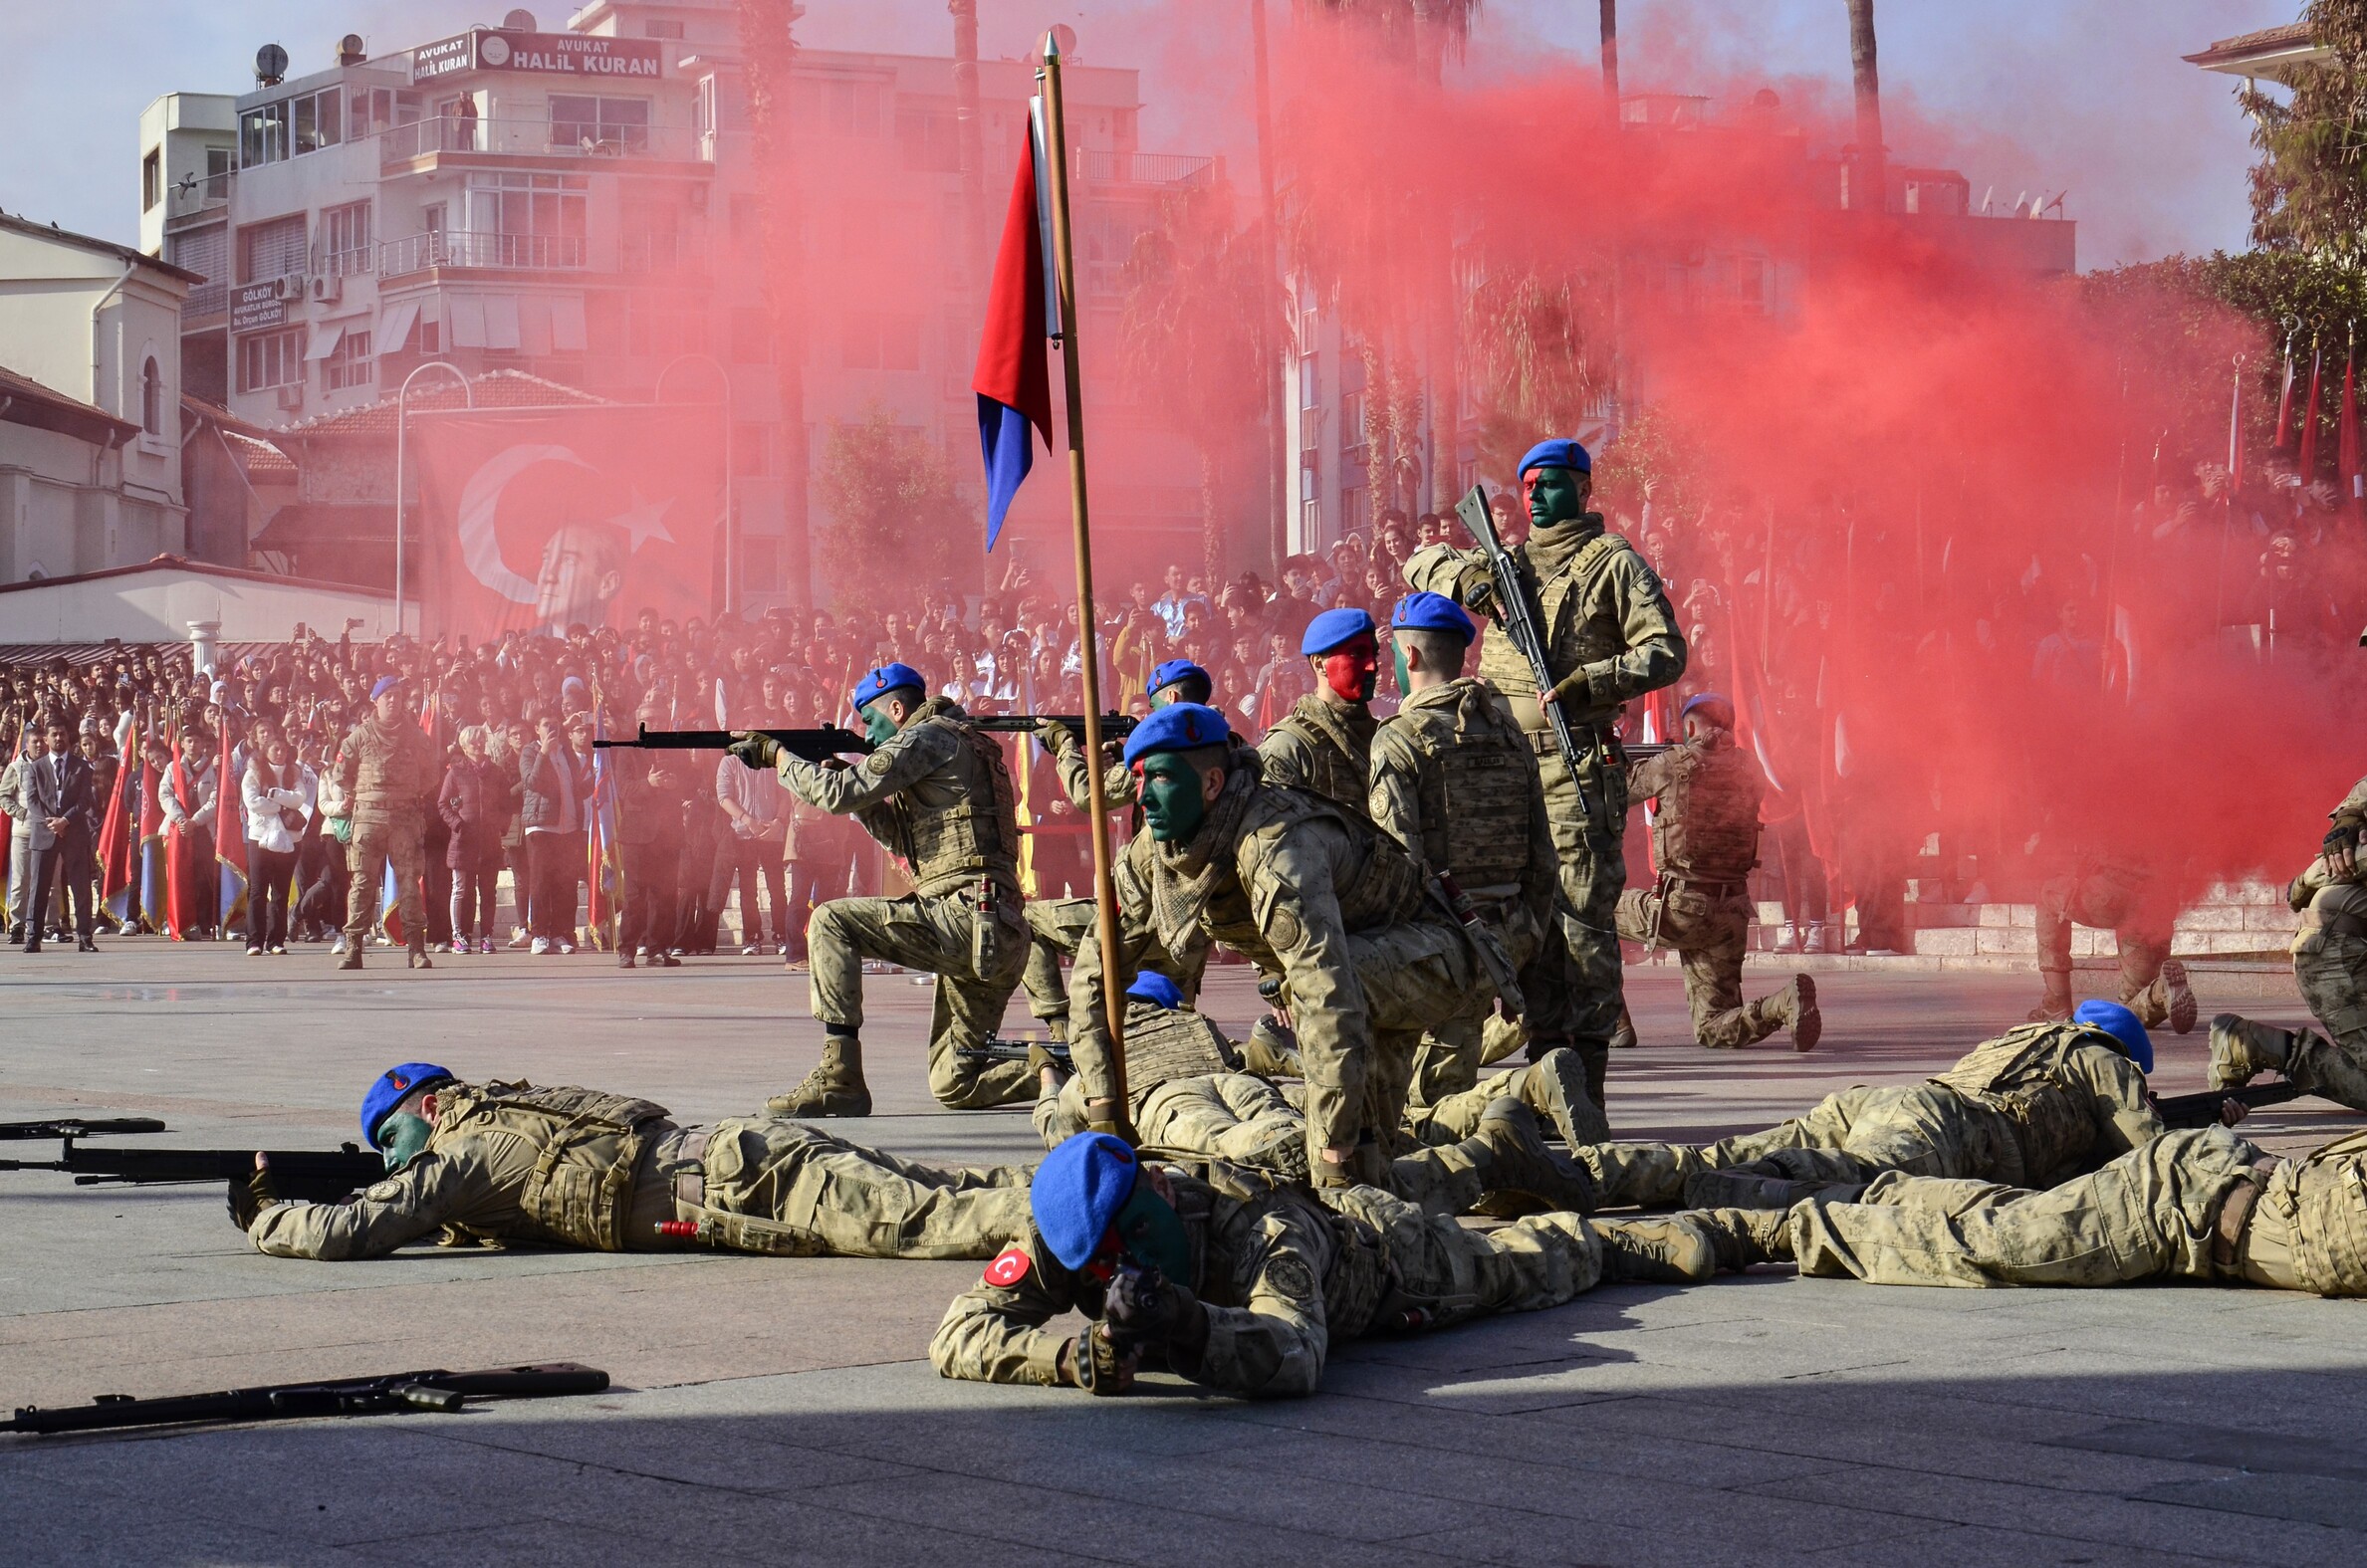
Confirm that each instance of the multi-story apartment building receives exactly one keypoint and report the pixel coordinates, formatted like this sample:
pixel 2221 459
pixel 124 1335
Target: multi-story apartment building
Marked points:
pixel 581 205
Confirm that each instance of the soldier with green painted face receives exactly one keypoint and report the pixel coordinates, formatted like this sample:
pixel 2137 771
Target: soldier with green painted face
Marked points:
pixel 1312 894
pixel 938 794
pixel 1611 636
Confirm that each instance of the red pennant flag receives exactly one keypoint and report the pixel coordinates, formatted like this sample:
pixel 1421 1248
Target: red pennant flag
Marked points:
pixel 1014 380
pixel 117 850
pixel 2308 458
pixel 230 812
pixel 2346 440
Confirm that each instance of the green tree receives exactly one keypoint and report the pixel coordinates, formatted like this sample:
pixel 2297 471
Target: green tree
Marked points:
pixel 893 512
pixel 1532 363
pixel 2309 188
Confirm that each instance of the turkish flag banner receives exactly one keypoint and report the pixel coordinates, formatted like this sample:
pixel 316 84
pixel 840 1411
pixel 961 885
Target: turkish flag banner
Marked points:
pixel 545 519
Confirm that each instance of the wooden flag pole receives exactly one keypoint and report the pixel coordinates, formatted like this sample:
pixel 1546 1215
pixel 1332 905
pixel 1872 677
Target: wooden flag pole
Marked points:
pixel 1089 630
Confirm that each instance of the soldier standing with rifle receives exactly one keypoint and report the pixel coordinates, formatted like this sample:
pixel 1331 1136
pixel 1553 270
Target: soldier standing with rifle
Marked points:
pixel 1585 628
pixel 937 793
pixel 390 772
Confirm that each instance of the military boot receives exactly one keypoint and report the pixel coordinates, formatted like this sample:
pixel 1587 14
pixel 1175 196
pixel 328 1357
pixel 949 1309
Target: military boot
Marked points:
pixel 2176 995
pixel 2055 1005
pixel 1659 1249
pixel 1511 1156
pixel 419 958
pixel 835 1087
pixel 1805 1019
pixel 1623 1037
pixel 352 957
pixel 1743 1237
pixel 2240 1048
pixel 1554 1086
pixel 1271 1050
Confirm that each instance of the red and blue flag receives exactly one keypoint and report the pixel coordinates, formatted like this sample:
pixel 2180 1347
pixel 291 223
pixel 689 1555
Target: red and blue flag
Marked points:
pixel 1014 377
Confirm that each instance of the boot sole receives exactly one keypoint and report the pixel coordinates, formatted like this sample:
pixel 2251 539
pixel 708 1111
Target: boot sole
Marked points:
pixel 2182 996
pixel 1809 1027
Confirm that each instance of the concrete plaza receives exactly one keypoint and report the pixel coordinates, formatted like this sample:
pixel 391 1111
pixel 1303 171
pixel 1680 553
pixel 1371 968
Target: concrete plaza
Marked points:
pixel 774 1410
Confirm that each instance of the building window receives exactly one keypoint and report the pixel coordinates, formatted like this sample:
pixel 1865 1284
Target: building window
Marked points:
pixel 271 132
pixel 1351 510
pixel 152 180
pixel 348 364
pixel 151 397
pixel 661 30
pixel 926 139
pixel 662 329
pixel 600 124
pixel 269 359
pixel 369 110
pixel 752 451
pixel 1310 382
pixel 263 134
pixel 523 220
pixel 271 250
pixel 217 173
pixel 345 239
pixel 316 119
pixel 879 340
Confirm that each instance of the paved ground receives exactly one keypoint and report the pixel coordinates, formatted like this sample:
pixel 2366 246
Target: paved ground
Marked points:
pixel 778 1410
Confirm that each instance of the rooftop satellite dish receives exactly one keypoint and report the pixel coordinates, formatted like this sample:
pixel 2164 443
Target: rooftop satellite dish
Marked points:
pixel 519 21
pixel 350 49
pixel 1066 37
pixel 270 65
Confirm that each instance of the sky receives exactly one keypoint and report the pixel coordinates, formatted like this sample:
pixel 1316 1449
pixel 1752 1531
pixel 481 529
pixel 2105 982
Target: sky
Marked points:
pixel 2087 96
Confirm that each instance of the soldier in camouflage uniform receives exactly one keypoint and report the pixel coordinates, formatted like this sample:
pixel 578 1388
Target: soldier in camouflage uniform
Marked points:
pixel 569 1166
pixel 1611 636
pixel 389 770
pixel 1190 1100
pixel 1310 893
pixel 1455 781
pixel 2032 1108
pixel 1324 743
pixel 938 794
pixel 2330 962
pixel 1056 924
pixel 1706 838
pixel 2126 898
pixel 1244 1282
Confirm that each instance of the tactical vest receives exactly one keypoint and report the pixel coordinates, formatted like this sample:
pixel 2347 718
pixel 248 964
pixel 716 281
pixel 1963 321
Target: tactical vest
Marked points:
pixel 395 769
pixel 2330 1219
pixel 581 1191
pixel 2018 1075
pixel 976 834
pixel 1384 887
pixel 1707 826
pixel 1573 638
pixel 1476 784
pixel 1163 1045
pixel 1332 753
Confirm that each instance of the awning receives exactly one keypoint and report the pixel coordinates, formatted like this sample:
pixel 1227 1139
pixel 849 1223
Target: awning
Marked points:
pixel 467 320
pixel 533 325
pixel 394 326
pixel 324 339
pixel 500 321
pixel 566 325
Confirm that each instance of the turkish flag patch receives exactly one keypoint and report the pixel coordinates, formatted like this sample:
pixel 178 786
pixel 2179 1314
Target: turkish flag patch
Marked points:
pixel 1010 1266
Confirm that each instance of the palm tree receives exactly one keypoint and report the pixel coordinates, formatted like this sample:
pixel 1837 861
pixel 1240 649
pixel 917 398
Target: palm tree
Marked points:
pixel 1196 288
pixel 1530 358
pixel 1610 56
pixel 771 54
pixel 1869 109
pixel 966 138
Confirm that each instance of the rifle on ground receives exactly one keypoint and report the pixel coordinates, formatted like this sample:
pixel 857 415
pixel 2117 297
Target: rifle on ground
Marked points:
pixel 1519 619
pixel 815 745
pixel 1114 726
pixel 394 1393
pixel 310 1176
pixel 995 1048
pixel 2201 1110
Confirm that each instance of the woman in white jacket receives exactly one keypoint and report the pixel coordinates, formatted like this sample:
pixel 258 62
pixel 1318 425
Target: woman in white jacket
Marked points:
pixel 280 794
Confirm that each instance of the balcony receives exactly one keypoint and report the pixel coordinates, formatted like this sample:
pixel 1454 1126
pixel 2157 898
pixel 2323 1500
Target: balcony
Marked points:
pixel 1145 168
pixel 400 146
pixel 652 254
pixel 206 298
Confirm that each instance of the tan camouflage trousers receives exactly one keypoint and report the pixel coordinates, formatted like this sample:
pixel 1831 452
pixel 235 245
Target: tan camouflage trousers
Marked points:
pixel 2122 901
pixel 1849 1137
pixel 1415 977
pixel 1711 936
pixel 936 935
pixel 1449 1060
pixel 378 843
pixel 2147 1216
pixel 1055 926
pixel 2333 982
pixel 1449 1273
pixel 858 1201
pixel 1593 874
pixel 1554 1088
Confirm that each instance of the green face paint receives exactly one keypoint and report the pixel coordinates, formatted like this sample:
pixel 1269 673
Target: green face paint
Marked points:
pixel 878 728
pixel 1153 1235
pixel 400 1138
pixel 1553 497
pixel 1405 682
pixel 1171 801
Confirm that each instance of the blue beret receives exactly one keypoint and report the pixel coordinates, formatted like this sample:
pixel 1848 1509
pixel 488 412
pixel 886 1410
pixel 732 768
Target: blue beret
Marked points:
pixel 388 1088
pixel 1432 612
pixel 886 679
pixel 1151 985
pixel 1178 727
pixel 2119 1022
pixel 1077 1190
pixel 387 683
pixel 1179 670
pixel 1557 454
pixel 1331 628
pixel 1718 710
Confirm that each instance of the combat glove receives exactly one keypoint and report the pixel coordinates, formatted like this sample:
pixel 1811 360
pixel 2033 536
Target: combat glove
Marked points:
pixel 1055 737
pixel 2341 850
pixel 755 749
pixel 1103 1366
pixel 250 1198
pixel 1474 586
pixel 1145 1308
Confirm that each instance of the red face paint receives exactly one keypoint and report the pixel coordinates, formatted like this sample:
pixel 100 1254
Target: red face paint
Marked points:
pixel 1352 668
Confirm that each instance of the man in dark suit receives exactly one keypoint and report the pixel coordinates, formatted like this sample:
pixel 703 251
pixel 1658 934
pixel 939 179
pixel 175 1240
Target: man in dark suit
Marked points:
pixel 58 809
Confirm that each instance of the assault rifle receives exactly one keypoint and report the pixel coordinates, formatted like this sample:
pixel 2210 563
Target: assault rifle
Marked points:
pixel 1114 726
pixel 311 1175
pixel 390 1394
pixel 815 745
pixel 995 1048
pixel 2201 1110
pixel 1519 619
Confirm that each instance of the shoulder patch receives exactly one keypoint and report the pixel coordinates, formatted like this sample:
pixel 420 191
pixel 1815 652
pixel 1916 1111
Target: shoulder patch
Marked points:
pixel 1010 1266
pixel 878 763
